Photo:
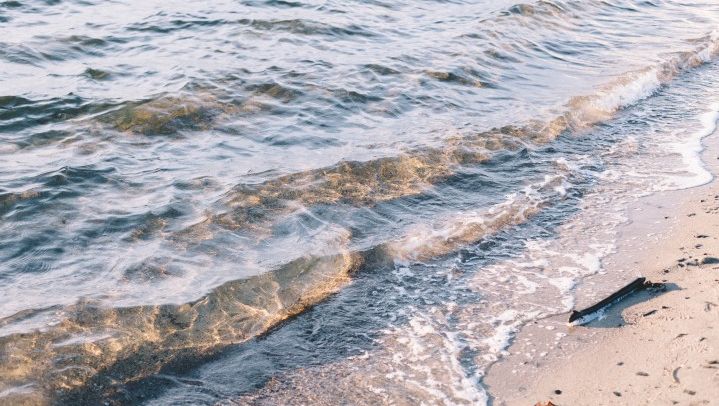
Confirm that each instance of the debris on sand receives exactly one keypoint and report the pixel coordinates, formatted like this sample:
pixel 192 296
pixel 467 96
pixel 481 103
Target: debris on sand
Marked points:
pixel 636 285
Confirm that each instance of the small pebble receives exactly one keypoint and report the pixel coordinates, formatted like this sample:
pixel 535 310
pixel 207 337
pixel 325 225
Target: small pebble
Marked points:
pixel 617 394
pixel 642 373
pixel 557 392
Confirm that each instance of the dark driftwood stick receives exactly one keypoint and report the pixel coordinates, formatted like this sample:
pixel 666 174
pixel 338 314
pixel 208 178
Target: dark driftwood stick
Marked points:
pixel 621 293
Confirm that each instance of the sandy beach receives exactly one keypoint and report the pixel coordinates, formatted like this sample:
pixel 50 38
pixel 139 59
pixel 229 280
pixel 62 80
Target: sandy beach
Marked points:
pixel 652 348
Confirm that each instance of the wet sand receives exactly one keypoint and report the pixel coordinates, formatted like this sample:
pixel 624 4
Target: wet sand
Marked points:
pixel 659 347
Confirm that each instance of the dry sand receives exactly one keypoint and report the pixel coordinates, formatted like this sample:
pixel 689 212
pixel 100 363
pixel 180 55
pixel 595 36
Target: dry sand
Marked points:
pixel 653 348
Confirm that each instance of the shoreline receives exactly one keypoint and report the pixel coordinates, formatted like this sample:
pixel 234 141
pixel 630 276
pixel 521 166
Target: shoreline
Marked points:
pixel 651 347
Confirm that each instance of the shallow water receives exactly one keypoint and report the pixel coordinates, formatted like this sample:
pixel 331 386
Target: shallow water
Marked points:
pixel 406 182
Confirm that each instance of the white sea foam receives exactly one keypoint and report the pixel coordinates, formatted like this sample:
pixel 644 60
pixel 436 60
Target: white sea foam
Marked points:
pixel 638 167
pixel 636 86
pixel 628 91
pixel 690 149
pixel 422 241
pixel 429 357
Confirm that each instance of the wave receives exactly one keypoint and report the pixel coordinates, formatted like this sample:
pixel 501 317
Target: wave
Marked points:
pixel 168 115
pixel 89 343
pixel 423 242
pixel 541 7
pixel 9 199
pixel 633 87
pixel 18 113
pixel 293 26
pixel 366 183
